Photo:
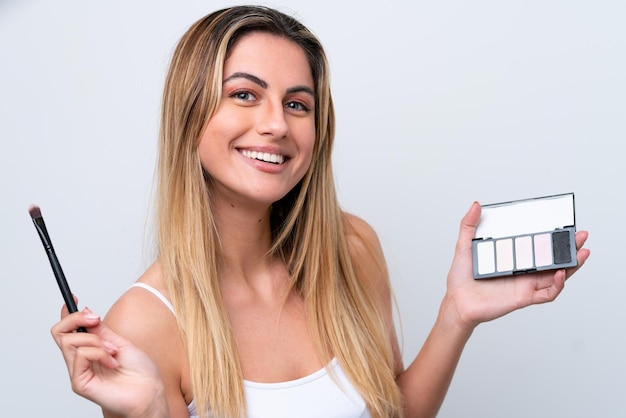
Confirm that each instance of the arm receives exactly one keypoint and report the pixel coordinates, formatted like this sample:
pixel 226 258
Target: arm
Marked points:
pixel 467 303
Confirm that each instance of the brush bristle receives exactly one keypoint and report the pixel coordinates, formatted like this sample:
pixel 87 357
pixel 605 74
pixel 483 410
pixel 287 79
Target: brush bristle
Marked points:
pixel 34 211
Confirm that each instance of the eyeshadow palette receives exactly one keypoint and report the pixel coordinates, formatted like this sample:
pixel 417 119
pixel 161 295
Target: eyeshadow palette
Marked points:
pixel 525 236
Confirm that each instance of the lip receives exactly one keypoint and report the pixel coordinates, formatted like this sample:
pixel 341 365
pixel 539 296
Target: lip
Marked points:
pixel 265 166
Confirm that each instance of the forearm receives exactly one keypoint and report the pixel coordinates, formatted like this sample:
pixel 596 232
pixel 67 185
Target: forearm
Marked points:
pixel 425 382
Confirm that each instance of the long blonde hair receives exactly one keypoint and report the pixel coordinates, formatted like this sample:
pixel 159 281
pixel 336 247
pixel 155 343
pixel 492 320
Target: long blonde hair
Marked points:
pixel 309 231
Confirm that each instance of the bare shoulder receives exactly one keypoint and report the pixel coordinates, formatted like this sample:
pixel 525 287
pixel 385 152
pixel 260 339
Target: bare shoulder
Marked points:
pixel 363 241
pixel 138 311
pixel 357 225
pixel 141 317
pixel 367 255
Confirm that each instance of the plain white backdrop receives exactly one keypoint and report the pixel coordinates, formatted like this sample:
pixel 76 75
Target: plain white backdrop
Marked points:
pixel 438 104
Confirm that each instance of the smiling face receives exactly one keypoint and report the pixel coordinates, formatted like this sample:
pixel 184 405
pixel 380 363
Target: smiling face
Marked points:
pixel 258 144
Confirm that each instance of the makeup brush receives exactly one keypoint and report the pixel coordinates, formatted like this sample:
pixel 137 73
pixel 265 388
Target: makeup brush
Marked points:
pixel 35 214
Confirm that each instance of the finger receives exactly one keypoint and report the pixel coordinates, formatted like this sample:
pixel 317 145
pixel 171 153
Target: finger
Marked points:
pixel 468 226
pixel 71 322
pixel 581 238
pixel 74 341
pixel 70 343
pixel 581 257
pixel 111 337
pixel 545 292
pixel 86 356
pixel 82 370
pixel 93 322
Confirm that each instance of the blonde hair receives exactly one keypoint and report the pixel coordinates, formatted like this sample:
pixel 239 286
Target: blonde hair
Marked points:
pixel 309 230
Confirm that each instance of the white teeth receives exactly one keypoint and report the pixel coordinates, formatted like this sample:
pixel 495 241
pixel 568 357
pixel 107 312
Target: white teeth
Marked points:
pixel 264 156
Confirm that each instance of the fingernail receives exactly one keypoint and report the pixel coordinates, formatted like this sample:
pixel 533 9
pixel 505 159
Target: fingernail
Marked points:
pixel 90 315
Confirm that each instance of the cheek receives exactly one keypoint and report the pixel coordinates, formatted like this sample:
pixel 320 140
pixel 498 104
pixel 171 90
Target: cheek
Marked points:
pixel 306 136
pixel 205 151
pixel 204 154
pixel 216 138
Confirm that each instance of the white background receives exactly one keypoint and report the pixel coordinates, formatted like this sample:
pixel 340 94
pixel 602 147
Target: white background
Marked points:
pixel 438 104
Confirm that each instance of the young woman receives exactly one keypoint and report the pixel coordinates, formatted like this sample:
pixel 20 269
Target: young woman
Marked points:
pixel 266 300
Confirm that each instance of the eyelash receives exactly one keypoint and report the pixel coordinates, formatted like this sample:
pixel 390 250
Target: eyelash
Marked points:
pixel 246 96
pixel 301 106
pixel 238 95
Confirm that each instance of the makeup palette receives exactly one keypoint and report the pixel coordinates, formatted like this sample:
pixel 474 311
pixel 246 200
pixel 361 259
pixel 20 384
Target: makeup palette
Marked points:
pixel 525 236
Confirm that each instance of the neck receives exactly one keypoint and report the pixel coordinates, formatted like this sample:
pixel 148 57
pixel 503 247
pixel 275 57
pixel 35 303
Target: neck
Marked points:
pixel 245 240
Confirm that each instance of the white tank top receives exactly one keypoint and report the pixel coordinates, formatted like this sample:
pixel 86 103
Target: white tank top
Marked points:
pixel 314 396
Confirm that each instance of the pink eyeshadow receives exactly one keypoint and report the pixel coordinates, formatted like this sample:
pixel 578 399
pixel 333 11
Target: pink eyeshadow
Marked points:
pixel 543 249
pixel 504 254
pixel 524 252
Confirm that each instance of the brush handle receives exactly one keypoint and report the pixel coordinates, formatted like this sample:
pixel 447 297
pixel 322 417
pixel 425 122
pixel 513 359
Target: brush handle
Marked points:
pixel 56 268
pixel 63 286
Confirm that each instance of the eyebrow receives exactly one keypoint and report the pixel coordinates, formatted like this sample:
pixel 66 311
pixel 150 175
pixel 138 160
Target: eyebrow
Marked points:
pixel 247 76
pixel 263 84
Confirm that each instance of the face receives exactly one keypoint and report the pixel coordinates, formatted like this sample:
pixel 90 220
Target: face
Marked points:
pixel 258 145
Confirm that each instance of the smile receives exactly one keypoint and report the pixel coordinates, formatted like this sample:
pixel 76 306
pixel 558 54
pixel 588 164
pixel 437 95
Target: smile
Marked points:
pixel 264 156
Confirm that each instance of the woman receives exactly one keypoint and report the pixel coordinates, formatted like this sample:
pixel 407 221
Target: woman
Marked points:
pixel 266 299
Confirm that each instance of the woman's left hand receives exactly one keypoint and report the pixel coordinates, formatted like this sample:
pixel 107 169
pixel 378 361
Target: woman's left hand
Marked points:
pixel 475 301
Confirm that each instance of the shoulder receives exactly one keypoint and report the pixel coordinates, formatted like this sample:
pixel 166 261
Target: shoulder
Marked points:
pixel 363 240
pixel 356 224
pixel 139 307
pixel 367 255
pixel 141 317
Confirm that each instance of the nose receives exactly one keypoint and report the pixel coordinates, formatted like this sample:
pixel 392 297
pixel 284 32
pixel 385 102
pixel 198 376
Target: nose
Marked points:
pixel 272 121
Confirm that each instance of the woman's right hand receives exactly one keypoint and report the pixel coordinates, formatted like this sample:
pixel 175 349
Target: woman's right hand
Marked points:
pixel 107 369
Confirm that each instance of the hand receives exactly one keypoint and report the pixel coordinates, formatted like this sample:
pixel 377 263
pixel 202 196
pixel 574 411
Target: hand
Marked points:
pixel 474 301
pixel 107 369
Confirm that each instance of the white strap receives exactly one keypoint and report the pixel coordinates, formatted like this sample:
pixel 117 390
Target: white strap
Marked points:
pixel 155 293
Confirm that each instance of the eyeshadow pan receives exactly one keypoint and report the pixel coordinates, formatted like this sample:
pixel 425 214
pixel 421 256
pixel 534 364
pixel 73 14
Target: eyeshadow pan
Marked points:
pixel 524 252
pixel 543 249
pixel 486 260
pixel 504 254
pixel 561 248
